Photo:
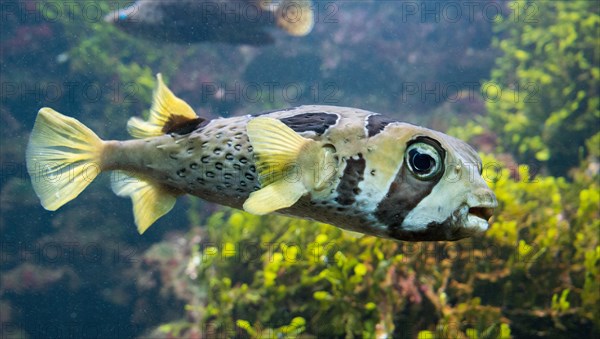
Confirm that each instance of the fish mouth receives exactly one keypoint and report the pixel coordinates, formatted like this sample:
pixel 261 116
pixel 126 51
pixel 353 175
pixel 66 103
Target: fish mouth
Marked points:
pixel 482 212
pixel 478 216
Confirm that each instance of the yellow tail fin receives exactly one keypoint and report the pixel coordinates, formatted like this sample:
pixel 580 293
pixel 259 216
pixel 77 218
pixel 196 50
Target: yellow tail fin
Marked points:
pixel 63 158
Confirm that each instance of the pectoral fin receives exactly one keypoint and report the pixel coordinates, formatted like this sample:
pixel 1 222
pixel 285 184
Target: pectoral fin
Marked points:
pixel 276 146
pixel 278 149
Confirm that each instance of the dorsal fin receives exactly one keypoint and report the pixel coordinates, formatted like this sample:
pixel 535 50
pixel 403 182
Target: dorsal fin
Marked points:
pixel 168 114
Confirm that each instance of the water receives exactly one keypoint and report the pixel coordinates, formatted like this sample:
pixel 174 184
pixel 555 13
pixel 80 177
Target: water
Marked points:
pixel 84 271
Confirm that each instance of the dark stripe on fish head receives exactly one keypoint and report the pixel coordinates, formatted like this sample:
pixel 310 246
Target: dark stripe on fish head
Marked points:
pixel 376 123
pixel 353 174
pixel 311 122
pixel 406 191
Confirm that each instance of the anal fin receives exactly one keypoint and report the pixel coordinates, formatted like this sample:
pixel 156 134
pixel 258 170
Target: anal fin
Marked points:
pixel 150 201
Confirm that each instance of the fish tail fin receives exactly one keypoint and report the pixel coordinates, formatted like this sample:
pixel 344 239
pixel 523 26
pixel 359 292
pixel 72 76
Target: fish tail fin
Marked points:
pixel 63 157
pixel 296 17
pixel 278 149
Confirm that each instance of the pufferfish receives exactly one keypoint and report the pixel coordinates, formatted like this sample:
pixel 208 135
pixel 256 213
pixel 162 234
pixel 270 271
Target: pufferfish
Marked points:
pixel 347 167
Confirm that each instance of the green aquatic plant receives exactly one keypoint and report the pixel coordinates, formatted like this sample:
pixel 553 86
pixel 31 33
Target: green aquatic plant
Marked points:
pixel 543 101
pixel 561 304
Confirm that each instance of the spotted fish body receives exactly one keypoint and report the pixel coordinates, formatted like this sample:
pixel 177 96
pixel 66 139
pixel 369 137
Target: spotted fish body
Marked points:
pixel 351 171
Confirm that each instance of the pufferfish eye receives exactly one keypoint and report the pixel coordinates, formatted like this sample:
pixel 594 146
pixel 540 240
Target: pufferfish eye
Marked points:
pixel 424 160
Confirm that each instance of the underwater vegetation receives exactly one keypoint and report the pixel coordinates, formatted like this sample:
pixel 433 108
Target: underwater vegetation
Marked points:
pixel 552 64
pixel 209 272
pixel 535 273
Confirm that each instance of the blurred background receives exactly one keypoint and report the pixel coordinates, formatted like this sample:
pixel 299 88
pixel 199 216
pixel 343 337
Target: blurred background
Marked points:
pixel 518 80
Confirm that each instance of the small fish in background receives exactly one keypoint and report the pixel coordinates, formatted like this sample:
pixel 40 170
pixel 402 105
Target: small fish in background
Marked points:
pixel 230 21
pixel 347 167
